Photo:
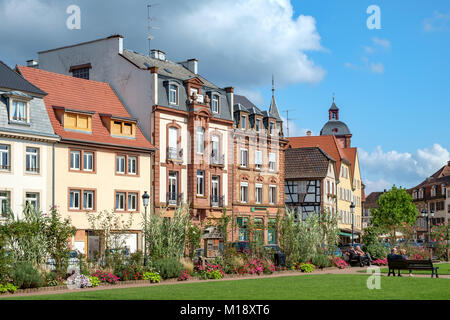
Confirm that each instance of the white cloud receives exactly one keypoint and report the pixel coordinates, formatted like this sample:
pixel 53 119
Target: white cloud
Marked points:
pixel 294 130
pixel 383 169
pixel 381 42
pixel 238 42
pixel 378 185
pixel 438 22
pixel 377 67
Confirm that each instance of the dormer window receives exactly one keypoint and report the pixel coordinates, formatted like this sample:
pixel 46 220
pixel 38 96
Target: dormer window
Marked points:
pixel 123 128
pixel 19 111
pixel 81 71
pixel 271 126
pixel 215 103
pixel 77 121
pixel 433 191
pixel 243 122
pixel 258 125
pixel 173 94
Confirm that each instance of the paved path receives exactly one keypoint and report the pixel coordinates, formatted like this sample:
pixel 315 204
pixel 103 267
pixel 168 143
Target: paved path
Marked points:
pixel 352 270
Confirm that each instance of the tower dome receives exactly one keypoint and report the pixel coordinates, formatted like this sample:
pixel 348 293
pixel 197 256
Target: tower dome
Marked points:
pixel 336 127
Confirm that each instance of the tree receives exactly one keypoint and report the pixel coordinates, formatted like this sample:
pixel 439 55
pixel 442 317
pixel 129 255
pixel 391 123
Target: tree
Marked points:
pixel 395 209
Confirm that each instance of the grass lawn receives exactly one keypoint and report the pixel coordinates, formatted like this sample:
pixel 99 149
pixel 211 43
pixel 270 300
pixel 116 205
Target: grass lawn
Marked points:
pixel 444 268
pixel 309 287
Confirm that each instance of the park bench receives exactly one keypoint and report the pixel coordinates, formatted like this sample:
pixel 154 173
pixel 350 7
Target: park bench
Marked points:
pixel 411 265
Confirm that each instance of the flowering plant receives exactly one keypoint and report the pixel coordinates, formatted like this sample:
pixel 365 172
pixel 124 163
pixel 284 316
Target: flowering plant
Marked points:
pixel 339 262
pixel 106 276
pixel 380 262
pixel 210 271
pixel 184 276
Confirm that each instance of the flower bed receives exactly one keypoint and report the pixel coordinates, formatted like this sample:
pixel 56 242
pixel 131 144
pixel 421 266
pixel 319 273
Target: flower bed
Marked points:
pixel 380 262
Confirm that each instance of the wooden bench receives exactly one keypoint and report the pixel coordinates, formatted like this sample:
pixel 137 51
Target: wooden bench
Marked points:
pixel 411 265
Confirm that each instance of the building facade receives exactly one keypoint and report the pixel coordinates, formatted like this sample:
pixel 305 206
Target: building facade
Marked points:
pixel 27 145
pixel 102 161
pixel 310 181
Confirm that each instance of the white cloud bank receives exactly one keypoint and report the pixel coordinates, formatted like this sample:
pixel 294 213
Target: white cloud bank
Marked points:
pixel 382 169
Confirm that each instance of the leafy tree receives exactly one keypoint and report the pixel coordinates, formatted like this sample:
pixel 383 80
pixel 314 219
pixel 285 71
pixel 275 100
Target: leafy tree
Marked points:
pixel 395 208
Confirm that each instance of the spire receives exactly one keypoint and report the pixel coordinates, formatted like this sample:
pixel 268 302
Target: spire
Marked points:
pixel 273 110
pixel 333 112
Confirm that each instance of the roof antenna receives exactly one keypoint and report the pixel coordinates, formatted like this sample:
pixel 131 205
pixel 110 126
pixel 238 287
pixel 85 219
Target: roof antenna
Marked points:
pixel 273 85
pixel 149 27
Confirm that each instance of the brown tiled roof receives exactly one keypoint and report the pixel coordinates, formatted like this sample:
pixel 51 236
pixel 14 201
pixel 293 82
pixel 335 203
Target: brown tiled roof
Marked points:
pixel 301 163
pixel 442 172
pixel 371 200
pixel 83 95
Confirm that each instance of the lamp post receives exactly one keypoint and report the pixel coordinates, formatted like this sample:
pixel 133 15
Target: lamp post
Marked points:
pixel 145 200
pixel 352 210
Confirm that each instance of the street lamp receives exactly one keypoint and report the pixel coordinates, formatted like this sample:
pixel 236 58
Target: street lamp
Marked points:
pixel 145 200
pixel 425 215
pixel 352 209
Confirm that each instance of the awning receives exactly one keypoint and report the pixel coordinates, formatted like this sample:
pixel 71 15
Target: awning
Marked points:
pixel 345 234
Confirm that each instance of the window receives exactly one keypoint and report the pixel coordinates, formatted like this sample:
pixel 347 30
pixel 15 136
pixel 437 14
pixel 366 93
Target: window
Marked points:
pixel 82 73
pixel 242 223
pixel 258 159
pixel 439 206
pixel 244 158
pixel 75 160
pixel 173 94
pixel 302 187
pixel 88 161
pixel 258 125
pixel 271 125
pixel 272 231
pixel 215 190
pixel 258 234
pixel 132 201
pixel 4 157
pixel 258 193
pixel 32 200
pixel 215 103
pixel 74 199
pixel 243 122
pixel 272 194
pixel 88 200
pixel 4 203
pixel 173 187
pixel 244 192
pixel 215 149
pixel 200 182
pixel 32 160
pixel 120 164
pixel 78 121
pixel 120 201
pixel 272 161
pixel 19 111
pixel 132 165
pixel 433 191
pixel 200 140
pixel 122 128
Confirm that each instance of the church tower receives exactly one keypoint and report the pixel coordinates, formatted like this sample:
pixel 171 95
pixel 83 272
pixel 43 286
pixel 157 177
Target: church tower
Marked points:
pixel 336 127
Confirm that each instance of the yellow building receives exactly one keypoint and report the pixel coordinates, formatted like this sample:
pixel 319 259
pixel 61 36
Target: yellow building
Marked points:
pixel 103 161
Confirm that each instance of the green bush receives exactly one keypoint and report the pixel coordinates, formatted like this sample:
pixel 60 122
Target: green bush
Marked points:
pixel 9 287
pixel 51 279
pixel 153 276
pixel 95 281
pixel 167 267
pixel 377 250
pixel 25 276
pixel 321 261
pixel 307 267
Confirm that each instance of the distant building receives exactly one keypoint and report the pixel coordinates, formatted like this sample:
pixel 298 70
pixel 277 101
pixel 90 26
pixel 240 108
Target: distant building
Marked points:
pixel 370 204
pixel 433 196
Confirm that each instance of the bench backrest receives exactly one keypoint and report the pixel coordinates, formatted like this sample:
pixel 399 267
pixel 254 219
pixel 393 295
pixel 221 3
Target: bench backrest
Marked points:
pixel 409 263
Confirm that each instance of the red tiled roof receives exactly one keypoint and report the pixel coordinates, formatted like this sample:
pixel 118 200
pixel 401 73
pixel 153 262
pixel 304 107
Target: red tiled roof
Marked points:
pixel 83 95
pixel 350 154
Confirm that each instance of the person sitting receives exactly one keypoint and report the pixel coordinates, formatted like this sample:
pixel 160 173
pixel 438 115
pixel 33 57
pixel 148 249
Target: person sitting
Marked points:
pixel 405 257
pixel 394 256
pixel 363 256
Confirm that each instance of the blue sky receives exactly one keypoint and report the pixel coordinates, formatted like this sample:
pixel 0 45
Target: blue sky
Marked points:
pixel 391 84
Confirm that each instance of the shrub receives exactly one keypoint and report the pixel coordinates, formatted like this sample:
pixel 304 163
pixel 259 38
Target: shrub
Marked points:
pixel 255 266
pixel 107 277
pixel 306 267
pixel 52 279
pixel 184 276
pixel 339 262
pixel 211 271
pixel 321 261
pixel 8 287
pixel 188 265
pixel 168 267
pixel 152 276
pixel 377 250
pixel 94 281
pixel 380 262
pixel 25 276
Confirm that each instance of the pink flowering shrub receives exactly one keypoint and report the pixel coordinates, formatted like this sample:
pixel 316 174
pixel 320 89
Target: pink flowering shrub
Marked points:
pixel 380 262
pixel 184 276
pixel 211 271
pixel 107 277
pixel 339 262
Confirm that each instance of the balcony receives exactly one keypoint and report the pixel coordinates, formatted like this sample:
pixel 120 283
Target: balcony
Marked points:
pixel 174 198
pixel 217 160
pixel 217 201
pixel 174 154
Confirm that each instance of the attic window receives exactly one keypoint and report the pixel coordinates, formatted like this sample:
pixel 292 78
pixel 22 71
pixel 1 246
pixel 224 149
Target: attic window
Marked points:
pixel 81 71
pixel 173 94
pixel 19 111
pixel 215 103
pixel 76 121
pixel 122 128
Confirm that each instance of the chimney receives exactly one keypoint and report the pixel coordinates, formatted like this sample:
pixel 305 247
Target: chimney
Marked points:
pixel 230 97
pixel 191 65
pixel 158 54
pixel 308 133
pixel 448 163
pixel 32 63
pixel 154 75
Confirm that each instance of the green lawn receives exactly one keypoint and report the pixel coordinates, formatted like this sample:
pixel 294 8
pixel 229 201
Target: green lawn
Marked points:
pixel 444 268
pixel 312 287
